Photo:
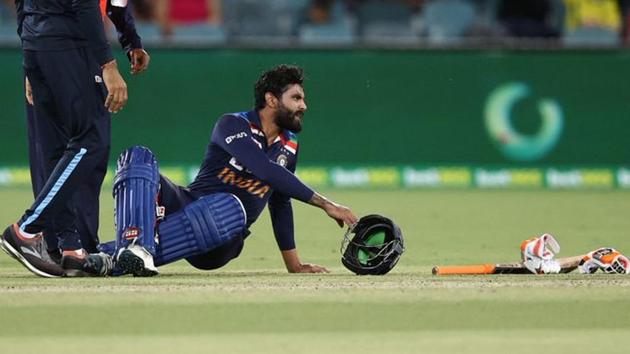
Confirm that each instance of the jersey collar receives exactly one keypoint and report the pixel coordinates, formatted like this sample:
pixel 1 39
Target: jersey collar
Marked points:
pixel 254 119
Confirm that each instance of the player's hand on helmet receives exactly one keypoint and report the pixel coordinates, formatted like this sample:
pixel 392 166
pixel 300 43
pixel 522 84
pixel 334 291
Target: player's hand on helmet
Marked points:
pixel 309 268
pixel 139 60
pixel 341 214
pixel 116 87
pixel 28 91
pixel 607 259
pixel 538 254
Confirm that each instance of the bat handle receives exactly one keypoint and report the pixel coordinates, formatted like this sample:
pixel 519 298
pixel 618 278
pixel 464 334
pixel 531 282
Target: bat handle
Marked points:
pixel 464 270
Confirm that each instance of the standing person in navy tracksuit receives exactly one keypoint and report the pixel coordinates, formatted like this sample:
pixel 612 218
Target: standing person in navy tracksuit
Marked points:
pixel 75 83
pixel 87 198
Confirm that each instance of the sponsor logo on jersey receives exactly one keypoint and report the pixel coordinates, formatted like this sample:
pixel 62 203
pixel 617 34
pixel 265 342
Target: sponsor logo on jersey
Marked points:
pixel 236 165
pixel 251 185
pixel 231 138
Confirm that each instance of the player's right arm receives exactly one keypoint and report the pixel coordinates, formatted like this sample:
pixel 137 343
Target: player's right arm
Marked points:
pixel 233 135
pixel 341 214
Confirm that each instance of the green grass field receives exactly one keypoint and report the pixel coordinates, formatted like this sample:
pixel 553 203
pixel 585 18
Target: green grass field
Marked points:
pixel 254 306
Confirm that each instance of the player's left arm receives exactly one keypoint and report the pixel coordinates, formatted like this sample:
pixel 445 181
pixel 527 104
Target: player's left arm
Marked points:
pixel 120 14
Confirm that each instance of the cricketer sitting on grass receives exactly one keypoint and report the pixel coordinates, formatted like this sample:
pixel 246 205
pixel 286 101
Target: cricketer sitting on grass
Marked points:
pixel 249 163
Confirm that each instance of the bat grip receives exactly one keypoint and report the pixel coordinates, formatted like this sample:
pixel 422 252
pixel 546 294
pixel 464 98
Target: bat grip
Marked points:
pixel 464 270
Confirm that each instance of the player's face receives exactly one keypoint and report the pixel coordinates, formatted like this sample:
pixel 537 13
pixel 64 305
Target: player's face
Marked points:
pixel 291 109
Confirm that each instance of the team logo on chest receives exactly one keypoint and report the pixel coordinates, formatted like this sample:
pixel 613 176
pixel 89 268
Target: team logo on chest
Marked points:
pixel 282 160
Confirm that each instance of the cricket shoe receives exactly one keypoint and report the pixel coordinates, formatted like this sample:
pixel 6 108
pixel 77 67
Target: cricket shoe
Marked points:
pixel 31 252
pixel 55 255
pixel 80 264
pixel 5 249
pixel 137 261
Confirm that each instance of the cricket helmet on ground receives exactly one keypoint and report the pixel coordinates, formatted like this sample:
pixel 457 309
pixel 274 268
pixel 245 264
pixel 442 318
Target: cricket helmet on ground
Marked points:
pixel 372 246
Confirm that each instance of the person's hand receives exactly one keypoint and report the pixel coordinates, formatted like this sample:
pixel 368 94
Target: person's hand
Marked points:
pixel 309 268
pixel 294 265
pixel 341 214
pixel 116 87
pixel 139 60
pixel 28 91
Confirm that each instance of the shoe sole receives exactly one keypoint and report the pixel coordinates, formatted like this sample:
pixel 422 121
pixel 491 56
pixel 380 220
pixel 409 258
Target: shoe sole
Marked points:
pixel 80 273
pixel 70 268
pixel 75 273
pixel 6 250
pixel 6 246
pixel 132 264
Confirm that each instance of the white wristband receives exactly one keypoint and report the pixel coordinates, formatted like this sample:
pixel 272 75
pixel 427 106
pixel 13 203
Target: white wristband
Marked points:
pixel 119 3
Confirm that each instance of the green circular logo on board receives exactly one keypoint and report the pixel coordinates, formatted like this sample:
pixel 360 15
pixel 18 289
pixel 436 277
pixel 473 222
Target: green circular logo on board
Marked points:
pixel 511 143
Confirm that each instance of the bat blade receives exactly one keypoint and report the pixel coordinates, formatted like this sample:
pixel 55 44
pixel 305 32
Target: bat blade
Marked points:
pixel 511 268
pixel 481 269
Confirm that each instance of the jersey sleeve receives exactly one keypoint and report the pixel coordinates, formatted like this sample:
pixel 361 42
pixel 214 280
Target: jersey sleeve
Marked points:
pixel 281 212
pixel 91 23
pixel 233 135
pixel 123 20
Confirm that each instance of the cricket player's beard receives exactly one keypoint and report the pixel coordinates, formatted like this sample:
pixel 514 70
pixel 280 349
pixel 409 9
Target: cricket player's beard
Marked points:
pixel 288 119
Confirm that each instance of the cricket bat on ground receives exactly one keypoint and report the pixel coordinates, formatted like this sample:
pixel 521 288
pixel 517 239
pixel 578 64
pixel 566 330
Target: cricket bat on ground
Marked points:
pixel 566 265
pixel 479 269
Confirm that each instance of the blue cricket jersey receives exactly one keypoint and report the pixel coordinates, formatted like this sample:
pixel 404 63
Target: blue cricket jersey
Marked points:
pixel 45 25
pixel 238 161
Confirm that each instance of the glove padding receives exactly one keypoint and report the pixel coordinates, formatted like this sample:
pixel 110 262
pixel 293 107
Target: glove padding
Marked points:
pixel 608 259
pixel 538 254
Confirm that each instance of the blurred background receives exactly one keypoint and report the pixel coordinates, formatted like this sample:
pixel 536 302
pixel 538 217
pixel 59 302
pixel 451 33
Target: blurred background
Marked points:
pixel 401 93
pixel 381 23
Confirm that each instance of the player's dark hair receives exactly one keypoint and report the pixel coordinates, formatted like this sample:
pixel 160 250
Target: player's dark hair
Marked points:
pixel 277 81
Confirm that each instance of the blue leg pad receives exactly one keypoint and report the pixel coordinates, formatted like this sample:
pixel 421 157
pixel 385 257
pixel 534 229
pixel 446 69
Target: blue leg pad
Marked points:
pixel 201 226
pixel 135 192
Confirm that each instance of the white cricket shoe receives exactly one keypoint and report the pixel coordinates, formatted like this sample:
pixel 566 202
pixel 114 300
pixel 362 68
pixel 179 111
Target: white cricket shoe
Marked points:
pixel 136 260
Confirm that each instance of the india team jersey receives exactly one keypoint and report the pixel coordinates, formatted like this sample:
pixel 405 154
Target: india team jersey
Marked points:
pixel 239 161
